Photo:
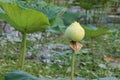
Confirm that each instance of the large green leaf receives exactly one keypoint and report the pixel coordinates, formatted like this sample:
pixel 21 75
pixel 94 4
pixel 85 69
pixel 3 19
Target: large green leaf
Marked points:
pixel 90 4
pixel 50 10
pixel 20 75
pixel 94 32
pixel 23 20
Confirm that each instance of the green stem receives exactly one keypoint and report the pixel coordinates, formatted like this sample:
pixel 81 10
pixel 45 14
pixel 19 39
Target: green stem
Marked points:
pixel 72 66
pixel 23 51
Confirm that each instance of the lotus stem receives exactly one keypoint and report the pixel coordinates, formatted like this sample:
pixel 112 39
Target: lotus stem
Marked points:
pixel 72 66
pixel 23 51
pixel 75 46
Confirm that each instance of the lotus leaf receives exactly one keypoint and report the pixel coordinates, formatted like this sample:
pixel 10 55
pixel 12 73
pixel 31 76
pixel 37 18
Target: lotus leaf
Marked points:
pixel 94 32
pixel 50 10
pixel 23 20
pixel 20 75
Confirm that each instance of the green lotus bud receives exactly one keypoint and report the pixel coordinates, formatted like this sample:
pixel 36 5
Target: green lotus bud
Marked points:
pixel 75 32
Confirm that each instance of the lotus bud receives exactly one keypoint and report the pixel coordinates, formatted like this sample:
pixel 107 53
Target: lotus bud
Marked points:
pixel 75 32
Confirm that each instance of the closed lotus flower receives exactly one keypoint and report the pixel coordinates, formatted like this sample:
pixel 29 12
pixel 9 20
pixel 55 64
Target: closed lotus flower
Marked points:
pixel 75 32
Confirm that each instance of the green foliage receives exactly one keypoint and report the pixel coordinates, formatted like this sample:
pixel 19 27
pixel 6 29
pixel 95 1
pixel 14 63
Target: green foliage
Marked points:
pixel 23 20
pixel 87 66
pixel 90 4
pixel 94 32
pixel 68 17
pixel 115 1
pixel 58 27
pixel 9 1
pixel 19 75
pixel 63 21
pixel 50 10
pixel 60 59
